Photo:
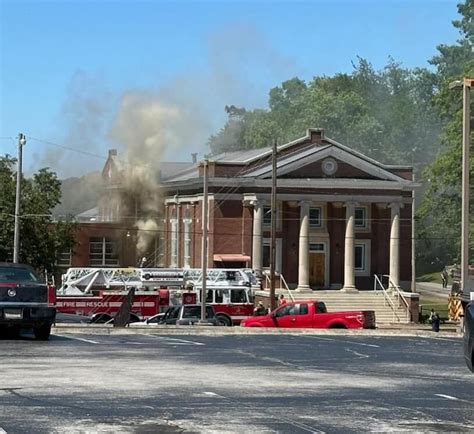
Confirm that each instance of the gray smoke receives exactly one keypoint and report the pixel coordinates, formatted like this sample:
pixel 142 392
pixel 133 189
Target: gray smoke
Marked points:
pixel 84 118
pixel 166 122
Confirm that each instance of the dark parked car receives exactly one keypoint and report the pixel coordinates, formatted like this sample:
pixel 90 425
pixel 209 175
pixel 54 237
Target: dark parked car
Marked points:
pixel 25 301
pixel 469 335
pixel 188 314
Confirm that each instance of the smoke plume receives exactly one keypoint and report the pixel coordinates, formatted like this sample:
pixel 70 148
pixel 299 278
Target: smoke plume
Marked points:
pixel 145 235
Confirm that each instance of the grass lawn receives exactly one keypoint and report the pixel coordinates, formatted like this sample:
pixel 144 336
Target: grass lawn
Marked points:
pixel 431 277
pixel 439 305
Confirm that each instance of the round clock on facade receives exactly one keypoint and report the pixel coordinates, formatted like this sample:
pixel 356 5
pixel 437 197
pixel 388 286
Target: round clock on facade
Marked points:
pixel 329 166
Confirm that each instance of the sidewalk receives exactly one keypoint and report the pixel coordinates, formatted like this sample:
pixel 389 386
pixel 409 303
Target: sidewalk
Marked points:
pixel 448 326
pixel 433 289
pixel 422 330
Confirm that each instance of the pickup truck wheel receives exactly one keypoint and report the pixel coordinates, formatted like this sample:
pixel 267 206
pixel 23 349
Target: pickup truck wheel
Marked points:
pixel 338 326
pixel 42 333
pixel 224 320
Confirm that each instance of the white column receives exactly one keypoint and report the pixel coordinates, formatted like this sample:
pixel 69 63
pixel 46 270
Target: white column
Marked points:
pixel 349 276
pixel 395 244
pixel 187 243
pixel 303 257
pixel 257 249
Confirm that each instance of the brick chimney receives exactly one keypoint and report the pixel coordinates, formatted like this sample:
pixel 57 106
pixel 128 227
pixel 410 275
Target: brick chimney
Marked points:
pixel 316 135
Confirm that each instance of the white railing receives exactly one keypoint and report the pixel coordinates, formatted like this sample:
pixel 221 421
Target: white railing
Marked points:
pixel 400 296
pixel 379 285
pixel 282 282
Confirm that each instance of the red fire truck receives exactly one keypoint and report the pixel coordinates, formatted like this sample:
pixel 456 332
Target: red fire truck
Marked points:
pixel 232 304
pixel 98 293
pixel 103 306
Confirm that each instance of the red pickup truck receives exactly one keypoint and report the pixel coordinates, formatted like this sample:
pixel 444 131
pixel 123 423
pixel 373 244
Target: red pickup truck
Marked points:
pixel 312 314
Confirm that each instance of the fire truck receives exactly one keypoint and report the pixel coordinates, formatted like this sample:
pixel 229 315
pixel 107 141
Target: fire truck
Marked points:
pixel 228 290
pixel 98 293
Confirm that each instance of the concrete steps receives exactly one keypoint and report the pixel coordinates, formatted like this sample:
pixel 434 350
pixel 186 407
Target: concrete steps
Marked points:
pixel 362 300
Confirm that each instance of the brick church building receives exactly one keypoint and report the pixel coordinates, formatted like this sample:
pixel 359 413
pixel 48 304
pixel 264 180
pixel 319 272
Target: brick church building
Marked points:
pixel 341 216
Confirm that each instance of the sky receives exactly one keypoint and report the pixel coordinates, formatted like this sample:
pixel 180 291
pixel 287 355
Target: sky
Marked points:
pixel 81 77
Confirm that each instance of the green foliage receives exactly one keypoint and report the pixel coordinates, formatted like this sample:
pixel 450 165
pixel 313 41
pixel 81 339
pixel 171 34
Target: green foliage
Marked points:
pixel 395 115
pixel 440 212
pixel 41 238
pixel 372 111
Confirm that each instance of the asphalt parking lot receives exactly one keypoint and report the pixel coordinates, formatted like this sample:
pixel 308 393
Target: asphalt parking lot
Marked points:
pixel 235 383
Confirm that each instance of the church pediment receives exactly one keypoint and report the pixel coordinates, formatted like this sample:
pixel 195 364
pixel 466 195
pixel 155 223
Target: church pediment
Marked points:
pixel 330 161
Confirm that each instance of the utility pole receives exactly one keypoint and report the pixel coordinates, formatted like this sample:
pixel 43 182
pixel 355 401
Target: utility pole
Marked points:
pixel 465 85
pixel 273 230
pixel 16 236
pixel 413 235
pixel 466 133
pixel 204 243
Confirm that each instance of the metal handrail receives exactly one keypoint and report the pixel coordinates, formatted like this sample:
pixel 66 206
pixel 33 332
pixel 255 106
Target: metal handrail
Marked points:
pixel 282 283
pixel 287 288
pixel 386 296
pixel 399 296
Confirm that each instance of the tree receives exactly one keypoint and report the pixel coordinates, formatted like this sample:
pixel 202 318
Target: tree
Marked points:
pixel 42 238
pixel 385 114
pixel 440 212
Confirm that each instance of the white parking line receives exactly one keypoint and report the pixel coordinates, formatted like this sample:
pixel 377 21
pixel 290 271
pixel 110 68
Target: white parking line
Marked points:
pixel 213 395
pixel 360 355
pixel 89 341
pixel 176 341
pixel 346 342
pixel 453 398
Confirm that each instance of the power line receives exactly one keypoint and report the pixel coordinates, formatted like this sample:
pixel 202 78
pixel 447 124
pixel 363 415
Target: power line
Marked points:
pixel 90 154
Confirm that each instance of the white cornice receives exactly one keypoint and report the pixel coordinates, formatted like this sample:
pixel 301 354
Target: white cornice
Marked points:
pixel 325 198
pixel 319 153
pixel 324 183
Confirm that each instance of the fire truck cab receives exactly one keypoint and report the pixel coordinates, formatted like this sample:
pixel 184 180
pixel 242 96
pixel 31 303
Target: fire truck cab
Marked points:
pixel 232 304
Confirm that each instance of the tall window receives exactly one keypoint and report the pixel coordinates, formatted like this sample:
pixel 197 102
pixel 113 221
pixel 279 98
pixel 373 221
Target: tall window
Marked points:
pixel 187 238
pixel 266 252
pixel 360 218
pixel 362 257
pixel 174 236
pixel 359 260
pixel 315 217
pixel 267 216
pixel 103 252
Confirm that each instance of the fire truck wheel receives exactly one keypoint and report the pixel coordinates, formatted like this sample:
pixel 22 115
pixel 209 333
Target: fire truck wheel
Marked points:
pixel 224 320
pixel 42 333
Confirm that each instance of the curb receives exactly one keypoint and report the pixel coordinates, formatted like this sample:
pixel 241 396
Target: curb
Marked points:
pixel 229 331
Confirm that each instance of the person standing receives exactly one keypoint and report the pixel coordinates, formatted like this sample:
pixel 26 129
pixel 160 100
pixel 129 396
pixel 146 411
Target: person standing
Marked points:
pixel 435 320
pixel 444 278
pixel 260 310
pixel 281 300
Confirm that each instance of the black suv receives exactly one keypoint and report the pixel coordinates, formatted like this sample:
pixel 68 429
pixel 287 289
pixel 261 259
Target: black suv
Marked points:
pixel 188 314
pixel 25 302
pixel 469 335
